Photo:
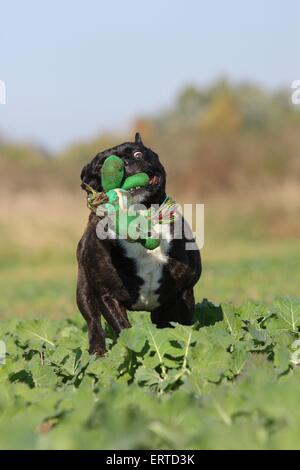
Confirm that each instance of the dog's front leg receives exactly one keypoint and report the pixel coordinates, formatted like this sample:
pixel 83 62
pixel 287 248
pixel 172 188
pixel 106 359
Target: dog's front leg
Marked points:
pixel 114 312
pixel 89 307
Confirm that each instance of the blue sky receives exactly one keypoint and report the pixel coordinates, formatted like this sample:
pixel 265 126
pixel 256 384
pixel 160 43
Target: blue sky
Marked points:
pixel 76 68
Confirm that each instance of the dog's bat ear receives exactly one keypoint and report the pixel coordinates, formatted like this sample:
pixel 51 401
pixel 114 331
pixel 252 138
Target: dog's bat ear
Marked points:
pixel 138 139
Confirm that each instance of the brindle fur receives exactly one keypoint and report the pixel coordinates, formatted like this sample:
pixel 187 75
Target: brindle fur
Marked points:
pixel 108 283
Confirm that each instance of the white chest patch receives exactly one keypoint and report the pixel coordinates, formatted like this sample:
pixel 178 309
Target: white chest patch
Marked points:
pixel 149 264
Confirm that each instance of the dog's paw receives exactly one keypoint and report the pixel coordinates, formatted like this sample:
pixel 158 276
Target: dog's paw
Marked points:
pixel 97 352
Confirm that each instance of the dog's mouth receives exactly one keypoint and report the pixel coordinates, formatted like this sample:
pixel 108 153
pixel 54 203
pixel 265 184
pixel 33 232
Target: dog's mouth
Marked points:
pixel 154 181
pixel 151 192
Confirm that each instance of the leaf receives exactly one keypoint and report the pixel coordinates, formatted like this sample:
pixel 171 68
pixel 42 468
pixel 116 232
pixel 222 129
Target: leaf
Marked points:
pixel 58 355
pixel 38 333
pixel 253 312
pixel 207 314
pixel 185 337
pixel 238 360
pixel 147 376
pixel 288 310
pixel 42 374
pixel 134 338
pixel 74 362
pixel 232 320
pixel 209 362
pixel 259 335
pixel 282 358
pixel 217 334
pixel 159 345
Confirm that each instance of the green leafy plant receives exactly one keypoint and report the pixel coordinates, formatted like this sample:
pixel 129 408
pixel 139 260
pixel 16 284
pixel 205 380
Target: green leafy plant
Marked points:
pixel 228 381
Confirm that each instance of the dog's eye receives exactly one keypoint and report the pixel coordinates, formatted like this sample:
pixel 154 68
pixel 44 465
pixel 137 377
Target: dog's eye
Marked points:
pixel 138 155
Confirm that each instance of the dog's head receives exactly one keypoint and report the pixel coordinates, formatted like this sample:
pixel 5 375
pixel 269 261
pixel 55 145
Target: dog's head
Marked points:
pixel 137 158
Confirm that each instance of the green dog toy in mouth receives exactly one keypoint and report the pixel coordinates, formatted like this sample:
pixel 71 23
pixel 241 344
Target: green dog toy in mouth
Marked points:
pixel 112 174
pixel 118 194
pixel 138 180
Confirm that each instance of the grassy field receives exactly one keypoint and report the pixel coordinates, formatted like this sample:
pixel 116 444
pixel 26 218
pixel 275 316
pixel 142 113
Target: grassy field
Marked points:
pixel 245 255
pixel 44 287
pixel 228 382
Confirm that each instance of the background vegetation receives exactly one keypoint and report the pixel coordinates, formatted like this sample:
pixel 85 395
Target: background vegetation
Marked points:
pixel 236 149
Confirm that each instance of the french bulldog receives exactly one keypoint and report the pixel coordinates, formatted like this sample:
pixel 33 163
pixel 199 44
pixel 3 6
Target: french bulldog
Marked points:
pixel 116 275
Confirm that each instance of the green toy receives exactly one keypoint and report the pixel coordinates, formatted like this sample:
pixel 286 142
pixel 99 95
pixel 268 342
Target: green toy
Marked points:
pixel 112 173
pixel 120 199
pixel 135 181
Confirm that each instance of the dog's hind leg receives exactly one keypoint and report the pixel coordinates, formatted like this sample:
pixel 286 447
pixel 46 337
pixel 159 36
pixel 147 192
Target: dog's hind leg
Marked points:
pixel 89 307
pixel 114 313
pixel 180 310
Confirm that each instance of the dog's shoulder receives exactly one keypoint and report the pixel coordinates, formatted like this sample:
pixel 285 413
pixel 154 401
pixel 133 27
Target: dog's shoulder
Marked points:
pixel 90 243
